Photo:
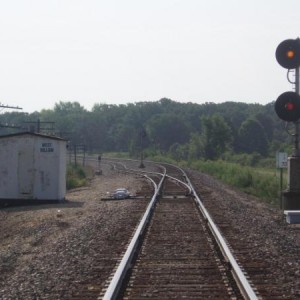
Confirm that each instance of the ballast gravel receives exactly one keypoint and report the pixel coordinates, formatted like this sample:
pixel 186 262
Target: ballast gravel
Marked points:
pixel 48 251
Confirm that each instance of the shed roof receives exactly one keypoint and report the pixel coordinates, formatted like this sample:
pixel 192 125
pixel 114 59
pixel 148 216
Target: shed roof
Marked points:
pixel 32 134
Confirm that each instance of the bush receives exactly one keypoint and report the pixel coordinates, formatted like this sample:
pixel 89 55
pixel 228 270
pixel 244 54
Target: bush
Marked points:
pixel 76 177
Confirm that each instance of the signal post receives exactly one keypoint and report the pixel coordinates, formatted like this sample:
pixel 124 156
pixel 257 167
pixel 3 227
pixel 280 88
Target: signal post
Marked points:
pixel 287 107
pixel 291 197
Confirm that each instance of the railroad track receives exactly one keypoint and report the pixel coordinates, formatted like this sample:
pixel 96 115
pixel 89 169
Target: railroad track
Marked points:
pixel 176 251
pixel 80 262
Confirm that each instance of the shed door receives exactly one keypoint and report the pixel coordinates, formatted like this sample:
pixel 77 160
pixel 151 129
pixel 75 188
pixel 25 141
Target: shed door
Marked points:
pixel 26 171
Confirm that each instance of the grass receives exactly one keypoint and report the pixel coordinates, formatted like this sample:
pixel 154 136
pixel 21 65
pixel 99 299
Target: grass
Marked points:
pixel 258 182
pixel 77 176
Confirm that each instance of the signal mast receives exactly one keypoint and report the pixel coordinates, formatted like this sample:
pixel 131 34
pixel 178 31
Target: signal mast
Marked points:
pixel 287 107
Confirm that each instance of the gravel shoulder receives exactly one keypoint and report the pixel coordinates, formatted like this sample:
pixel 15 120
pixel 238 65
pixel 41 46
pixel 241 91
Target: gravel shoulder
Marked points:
pixel 46 250
pixel 266 236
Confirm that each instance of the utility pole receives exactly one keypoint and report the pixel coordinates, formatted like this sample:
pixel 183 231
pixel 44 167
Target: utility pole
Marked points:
pixel 142 135
pixel 36 126
pixel 8 125
pixel 8 106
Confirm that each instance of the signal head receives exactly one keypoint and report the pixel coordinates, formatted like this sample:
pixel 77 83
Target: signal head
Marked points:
pixel 288 54
pixel 287 106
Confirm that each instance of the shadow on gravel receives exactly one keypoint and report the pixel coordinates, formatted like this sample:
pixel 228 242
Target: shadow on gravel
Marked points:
pixel 23 205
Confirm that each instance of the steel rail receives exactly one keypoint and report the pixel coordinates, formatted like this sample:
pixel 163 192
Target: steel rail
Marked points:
pixel 239 276
pixel 116 282
pixel 244 285
pixel 181 182
pixel 144 171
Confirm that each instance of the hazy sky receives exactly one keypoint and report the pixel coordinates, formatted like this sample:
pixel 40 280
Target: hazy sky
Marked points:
pixel 125 51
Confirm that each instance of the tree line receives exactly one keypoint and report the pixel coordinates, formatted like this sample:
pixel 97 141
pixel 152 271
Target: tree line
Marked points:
pixel 180 130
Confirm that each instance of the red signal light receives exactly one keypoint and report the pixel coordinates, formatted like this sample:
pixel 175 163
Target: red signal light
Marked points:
pixel 289 106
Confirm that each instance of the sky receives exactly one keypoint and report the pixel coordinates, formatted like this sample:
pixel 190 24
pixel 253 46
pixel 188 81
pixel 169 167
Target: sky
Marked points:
pixel 127 51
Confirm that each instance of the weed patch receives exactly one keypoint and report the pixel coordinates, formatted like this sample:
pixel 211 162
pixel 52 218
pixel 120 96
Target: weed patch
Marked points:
pixel 248 179
pixel 76 177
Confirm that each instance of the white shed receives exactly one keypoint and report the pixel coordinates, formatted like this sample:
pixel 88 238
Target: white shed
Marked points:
pixel 32 166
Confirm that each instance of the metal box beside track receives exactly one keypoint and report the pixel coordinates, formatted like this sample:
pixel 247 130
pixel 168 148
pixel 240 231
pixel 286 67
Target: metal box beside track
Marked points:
pixel 32 166
pixel 292 216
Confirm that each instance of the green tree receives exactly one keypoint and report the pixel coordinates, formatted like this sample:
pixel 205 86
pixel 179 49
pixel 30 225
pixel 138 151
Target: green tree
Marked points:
pixel 178 151
pixel 252 137
pixel 195 146
pixel 217 136
pixel 167 129
pixel 185 130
